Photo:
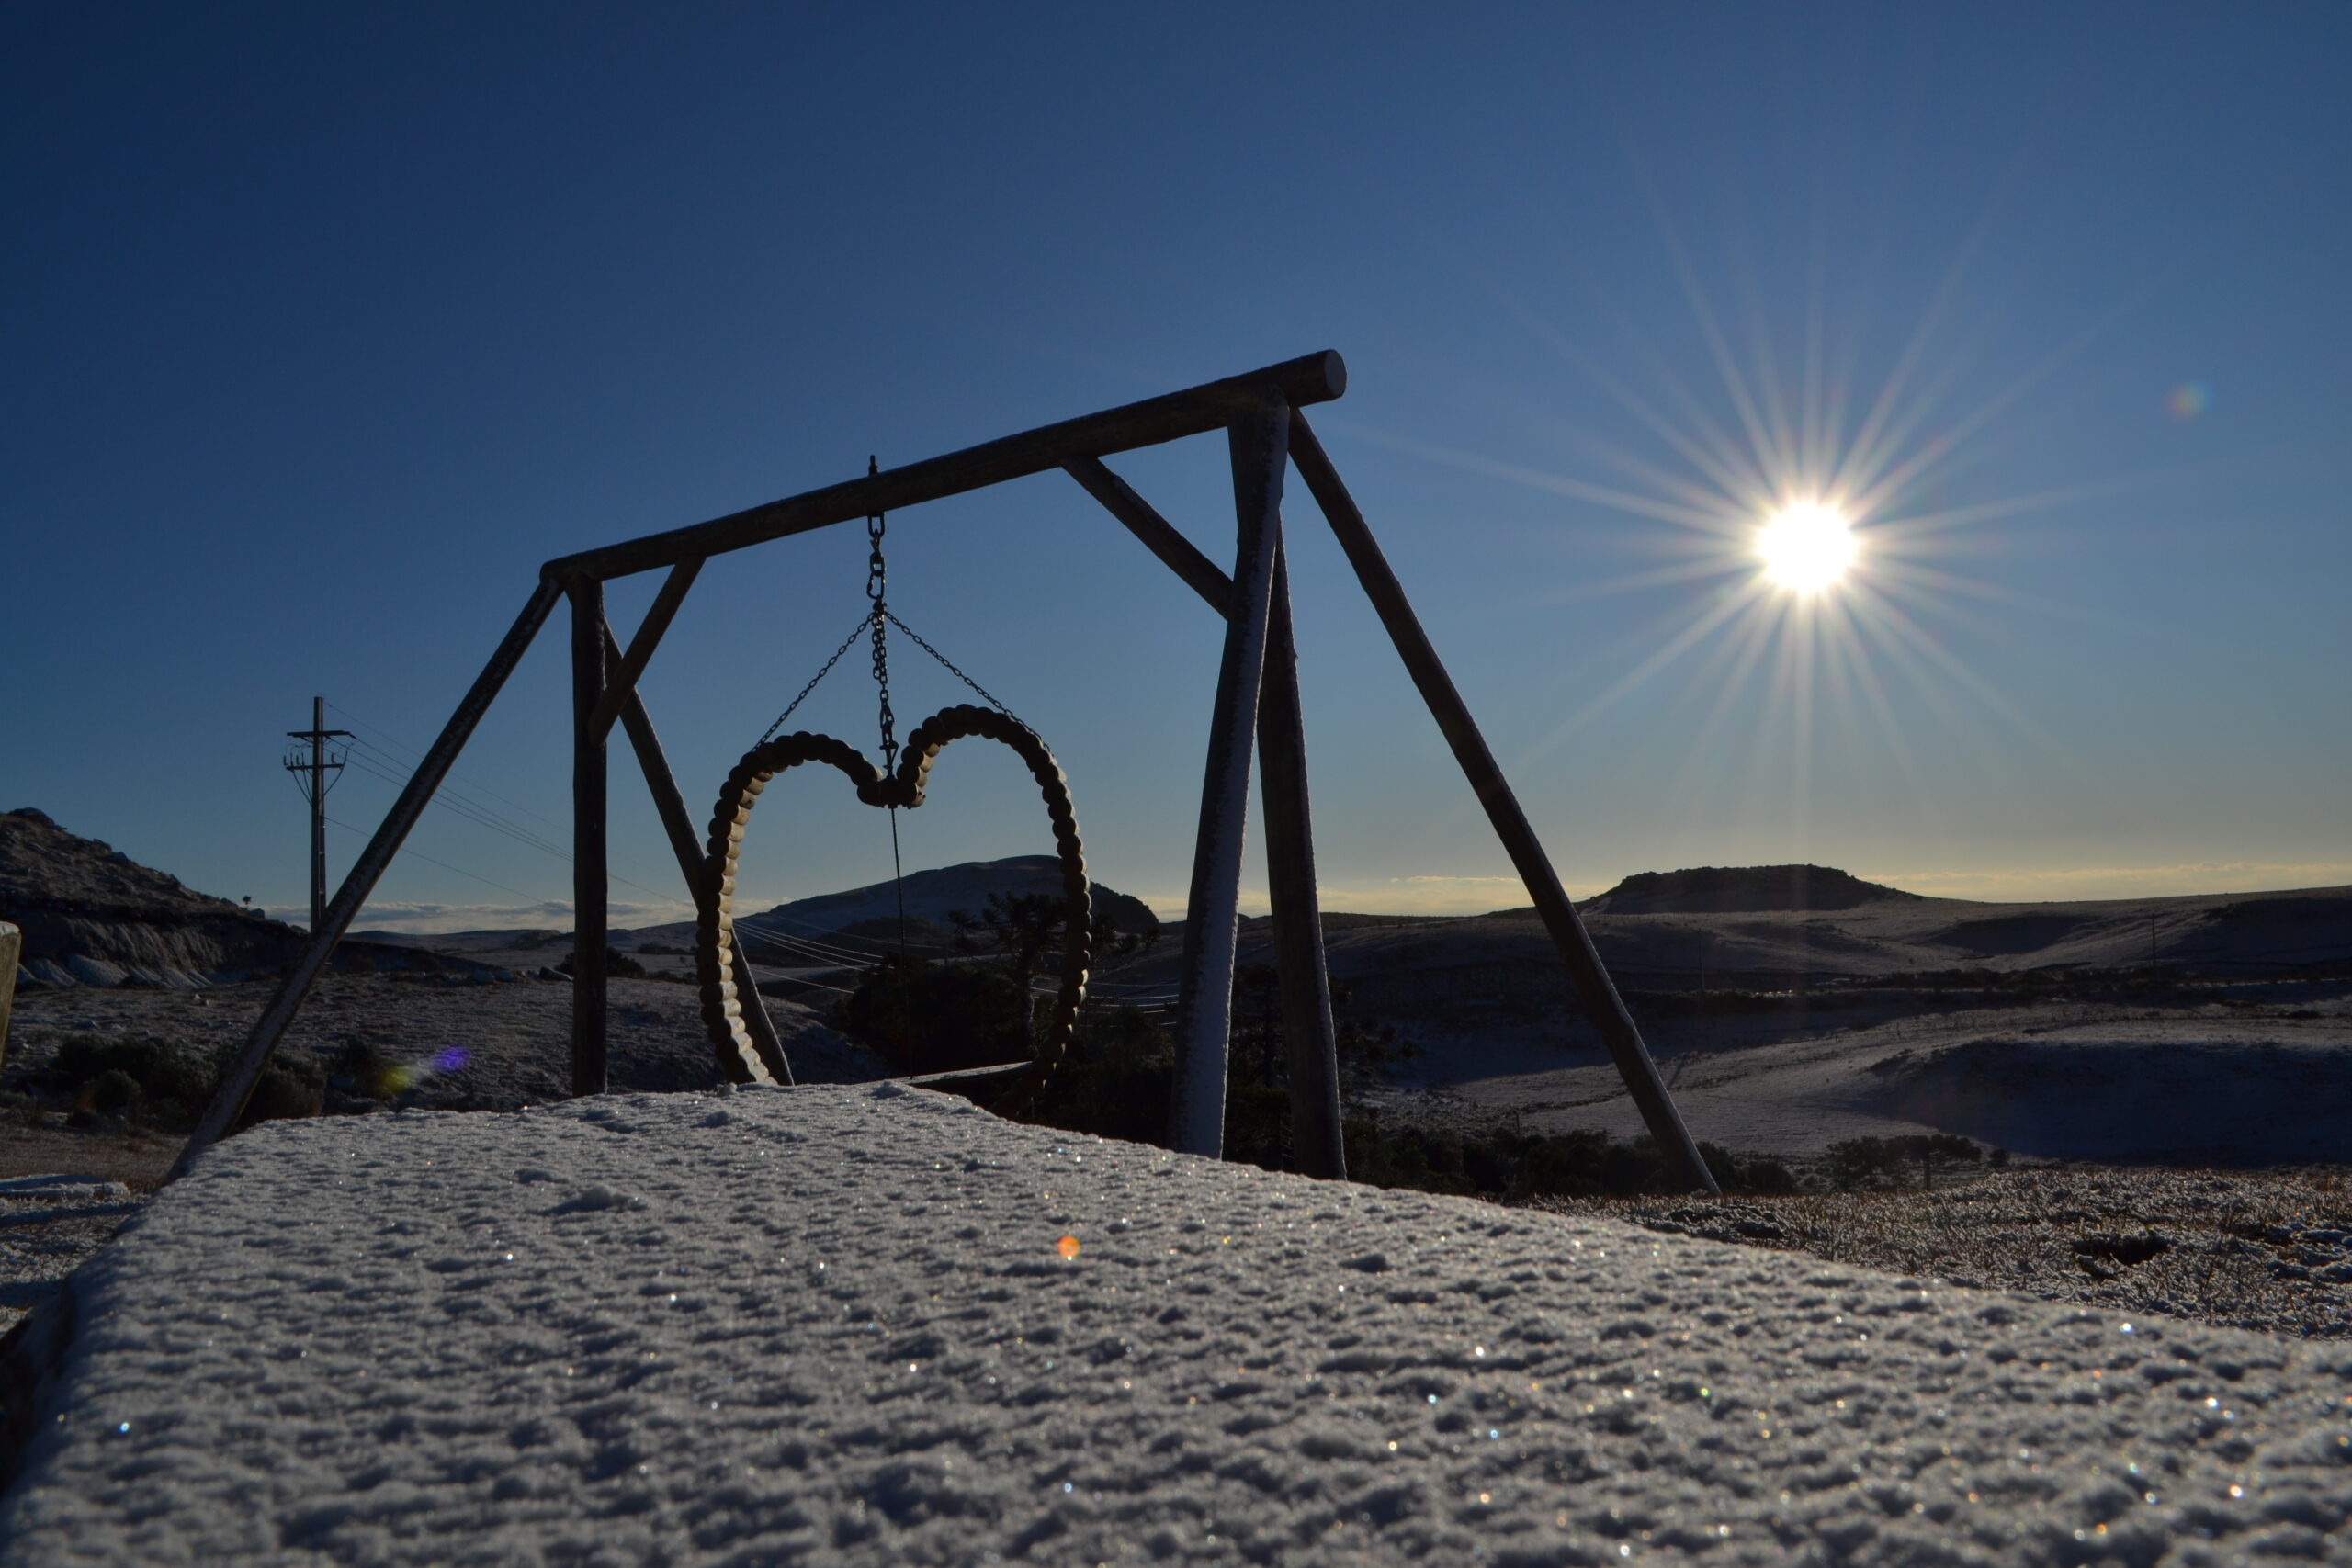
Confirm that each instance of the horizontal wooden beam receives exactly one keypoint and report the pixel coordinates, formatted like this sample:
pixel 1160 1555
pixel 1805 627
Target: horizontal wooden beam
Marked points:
pixel 1312 378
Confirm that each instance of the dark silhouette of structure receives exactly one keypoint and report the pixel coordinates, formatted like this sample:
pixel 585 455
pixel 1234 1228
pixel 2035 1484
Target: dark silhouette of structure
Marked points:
pixel 316 773
pixel 1256 717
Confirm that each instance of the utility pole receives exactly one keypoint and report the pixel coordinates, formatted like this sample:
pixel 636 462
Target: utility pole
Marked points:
pixel 312 772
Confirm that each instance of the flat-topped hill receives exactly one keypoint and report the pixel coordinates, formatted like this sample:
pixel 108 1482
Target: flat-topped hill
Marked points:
pixel 1741 889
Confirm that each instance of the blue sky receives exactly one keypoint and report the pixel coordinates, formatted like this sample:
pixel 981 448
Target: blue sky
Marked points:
pixel 326 325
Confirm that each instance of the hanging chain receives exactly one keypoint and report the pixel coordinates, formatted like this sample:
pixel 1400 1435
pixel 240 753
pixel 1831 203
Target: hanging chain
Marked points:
pixel 916 638
pixel 873 624
pixel 877 592
pixel 877 589
pixel 854 633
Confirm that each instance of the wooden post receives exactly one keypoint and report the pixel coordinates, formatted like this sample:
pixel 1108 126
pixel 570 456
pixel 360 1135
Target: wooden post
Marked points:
pixel 1586 971
pixel 588 886
pixel 237 1085
pixel 1290 838
pixel 12 951
pixel 1298 915
pixel 662 785
pixel 1212 913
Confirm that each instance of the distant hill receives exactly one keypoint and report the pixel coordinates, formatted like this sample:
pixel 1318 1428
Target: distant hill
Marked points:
pixel 92 916
pixel 1740 889
pixel 932 896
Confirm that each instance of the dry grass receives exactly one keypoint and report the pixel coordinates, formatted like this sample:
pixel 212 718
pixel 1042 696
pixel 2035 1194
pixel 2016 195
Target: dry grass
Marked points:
pixel 2265 1251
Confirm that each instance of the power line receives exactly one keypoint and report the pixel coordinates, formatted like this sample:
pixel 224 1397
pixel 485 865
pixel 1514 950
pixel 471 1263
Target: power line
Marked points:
pixel 456 799
pixel 445 866
pixel 375 761
pixel 400 745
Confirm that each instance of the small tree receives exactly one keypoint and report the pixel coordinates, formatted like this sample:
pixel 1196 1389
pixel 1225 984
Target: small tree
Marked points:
pixel 1023 928
pixel 1875 1162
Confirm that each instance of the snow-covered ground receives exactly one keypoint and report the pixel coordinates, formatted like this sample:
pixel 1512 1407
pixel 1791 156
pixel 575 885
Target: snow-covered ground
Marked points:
pixel 837 1325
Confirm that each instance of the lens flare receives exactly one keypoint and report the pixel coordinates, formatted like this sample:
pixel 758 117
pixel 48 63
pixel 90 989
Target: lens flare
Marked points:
pixel 1806 547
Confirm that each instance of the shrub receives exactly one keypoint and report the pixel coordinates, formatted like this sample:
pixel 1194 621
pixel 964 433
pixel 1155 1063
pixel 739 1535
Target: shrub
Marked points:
pixel 168 1081
pixel 1116 1080
pixel 113 1089
pixel 922 1017
pixel 292 1084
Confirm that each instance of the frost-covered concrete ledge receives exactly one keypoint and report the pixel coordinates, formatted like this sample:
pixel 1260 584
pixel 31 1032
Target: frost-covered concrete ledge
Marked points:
pixel 835 1325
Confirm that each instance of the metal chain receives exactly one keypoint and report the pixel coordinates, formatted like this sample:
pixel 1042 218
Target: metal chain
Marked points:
pixel 877 587
pixel 916 638
pixel 854 633
pixel 873 624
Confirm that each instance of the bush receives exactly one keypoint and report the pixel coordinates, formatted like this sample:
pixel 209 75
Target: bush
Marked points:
pixel 114 1089
pixel 164 1082
pixel 292 1085
pixel 922 1017
pixel 1116 1080
pixel 363 1071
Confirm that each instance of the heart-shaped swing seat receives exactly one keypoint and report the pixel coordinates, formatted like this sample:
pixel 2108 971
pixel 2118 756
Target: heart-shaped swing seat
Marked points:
pixel 739 1056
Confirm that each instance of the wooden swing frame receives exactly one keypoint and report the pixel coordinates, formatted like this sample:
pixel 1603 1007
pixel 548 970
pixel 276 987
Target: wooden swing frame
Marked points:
pixel 1256 717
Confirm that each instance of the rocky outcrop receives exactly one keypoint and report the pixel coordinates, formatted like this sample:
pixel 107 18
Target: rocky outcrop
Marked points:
pixel 92 916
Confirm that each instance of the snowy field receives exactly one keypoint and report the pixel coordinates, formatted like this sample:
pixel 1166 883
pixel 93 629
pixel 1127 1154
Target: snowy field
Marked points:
pixel 837 1325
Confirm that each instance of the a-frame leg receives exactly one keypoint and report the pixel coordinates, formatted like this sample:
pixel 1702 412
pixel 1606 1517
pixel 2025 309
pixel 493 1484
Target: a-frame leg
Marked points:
pixel 1298 914
pixel 1196 1112
pixel 1586 971
pixel 589 886
pixel 1290 837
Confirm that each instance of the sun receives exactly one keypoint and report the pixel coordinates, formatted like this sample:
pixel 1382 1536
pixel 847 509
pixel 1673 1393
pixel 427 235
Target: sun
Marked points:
pixel 1806 547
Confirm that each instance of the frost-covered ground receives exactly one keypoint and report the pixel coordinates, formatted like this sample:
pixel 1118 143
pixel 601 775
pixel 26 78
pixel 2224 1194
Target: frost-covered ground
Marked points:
pixel 514 1038
pixel 48 1226
pixel 837 1325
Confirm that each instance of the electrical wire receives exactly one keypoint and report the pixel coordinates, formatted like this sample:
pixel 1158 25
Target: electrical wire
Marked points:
pixel 445 866
pixel 404 746
pixel 382 765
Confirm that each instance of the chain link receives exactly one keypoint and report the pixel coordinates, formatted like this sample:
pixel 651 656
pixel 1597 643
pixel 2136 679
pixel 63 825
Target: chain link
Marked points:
pixel 873 624
pixel 878 591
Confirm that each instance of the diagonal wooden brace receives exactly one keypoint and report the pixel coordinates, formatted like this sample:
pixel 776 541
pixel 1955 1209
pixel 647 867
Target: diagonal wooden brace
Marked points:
pixel 620 679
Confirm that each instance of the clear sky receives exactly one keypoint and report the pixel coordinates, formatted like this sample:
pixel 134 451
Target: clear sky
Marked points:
pixel 326 326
